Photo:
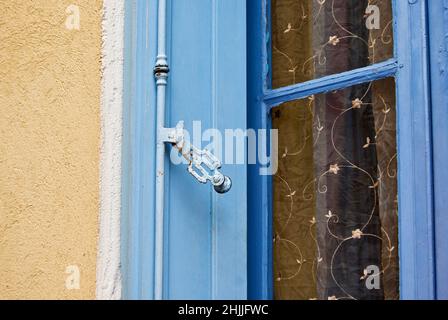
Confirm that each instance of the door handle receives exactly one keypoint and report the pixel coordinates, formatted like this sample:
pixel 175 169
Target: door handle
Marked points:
pixel 202 164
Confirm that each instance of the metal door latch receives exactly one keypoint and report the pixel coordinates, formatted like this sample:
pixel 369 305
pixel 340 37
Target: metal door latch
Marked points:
pixel 203 165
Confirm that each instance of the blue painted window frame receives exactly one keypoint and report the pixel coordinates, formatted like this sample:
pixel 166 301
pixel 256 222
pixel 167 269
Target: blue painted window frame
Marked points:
pixel 438 31
pixel 410 66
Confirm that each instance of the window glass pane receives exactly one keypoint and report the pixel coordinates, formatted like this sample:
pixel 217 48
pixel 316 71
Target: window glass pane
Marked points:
pixel 314 38
pixel 335 195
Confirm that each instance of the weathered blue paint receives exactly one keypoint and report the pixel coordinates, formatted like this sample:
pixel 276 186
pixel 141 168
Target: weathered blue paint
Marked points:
pixel 207 249
pixel 205 233
pixel 259 187
pixel 331 82
pixel 415 183
pixel 438 31
pixel 414 143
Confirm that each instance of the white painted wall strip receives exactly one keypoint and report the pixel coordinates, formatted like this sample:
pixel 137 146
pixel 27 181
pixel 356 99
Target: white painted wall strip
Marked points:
pixel 108 277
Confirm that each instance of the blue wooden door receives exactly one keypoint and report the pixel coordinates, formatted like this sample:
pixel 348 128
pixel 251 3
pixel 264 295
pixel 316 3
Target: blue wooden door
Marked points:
pixel 205 233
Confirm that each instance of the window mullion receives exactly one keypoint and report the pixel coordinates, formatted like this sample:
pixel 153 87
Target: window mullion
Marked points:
pixel 378 71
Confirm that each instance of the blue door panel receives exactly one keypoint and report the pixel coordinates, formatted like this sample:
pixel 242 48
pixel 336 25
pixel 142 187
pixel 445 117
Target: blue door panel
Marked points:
pixel 205 251
pixel 229 226
pixel 206 232
pixel 188 208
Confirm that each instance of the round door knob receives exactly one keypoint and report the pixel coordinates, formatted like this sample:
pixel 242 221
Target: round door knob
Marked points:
pixel 225 186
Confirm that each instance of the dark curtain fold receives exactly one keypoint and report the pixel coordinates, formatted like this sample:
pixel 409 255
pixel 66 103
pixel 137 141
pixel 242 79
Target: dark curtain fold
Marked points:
pixel 347 195
pixel 335 191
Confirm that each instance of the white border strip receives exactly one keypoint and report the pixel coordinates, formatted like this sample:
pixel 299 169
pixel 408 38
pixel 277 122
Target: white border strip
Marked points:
pixel 108 277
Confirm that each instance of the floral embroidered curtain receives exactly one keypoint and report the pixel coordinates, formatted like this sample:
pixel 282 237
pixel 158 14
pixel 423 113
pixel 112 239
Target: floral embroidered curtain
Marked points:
pixel 335 191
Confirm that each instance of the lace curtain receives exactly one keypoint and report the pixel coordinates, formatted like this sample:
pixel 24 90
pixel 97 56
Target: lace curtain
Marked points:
pixel 335 191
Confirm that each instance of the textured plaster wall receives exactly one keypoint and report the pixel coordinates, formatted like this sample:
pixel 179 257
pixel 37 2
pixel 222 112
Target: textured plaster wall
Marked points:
pixel 50 86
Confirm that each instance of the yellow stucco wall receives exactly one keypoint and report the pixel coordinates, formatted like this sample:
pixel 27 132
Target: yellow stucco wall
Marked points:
pixel 49 147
